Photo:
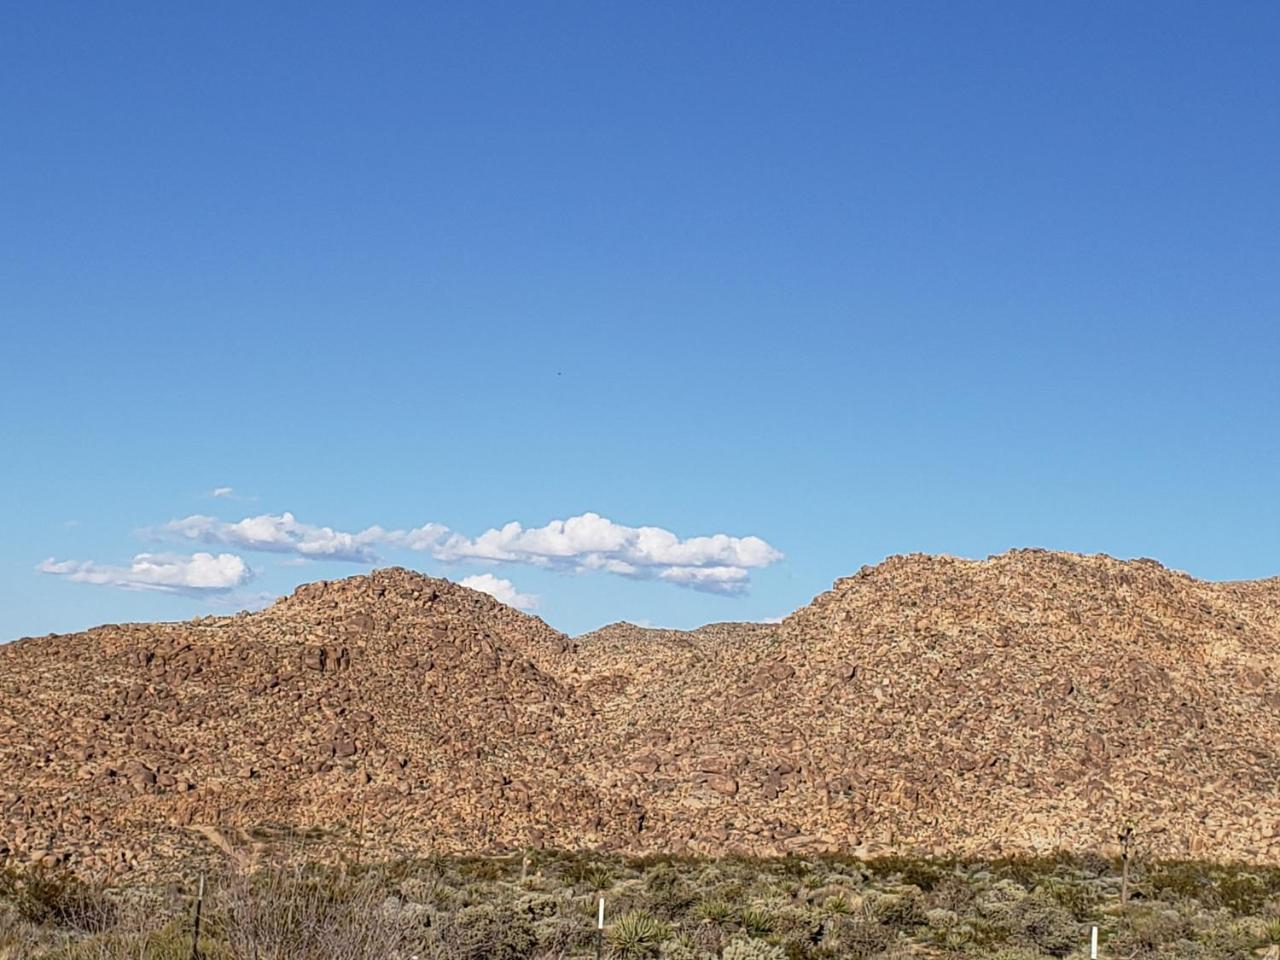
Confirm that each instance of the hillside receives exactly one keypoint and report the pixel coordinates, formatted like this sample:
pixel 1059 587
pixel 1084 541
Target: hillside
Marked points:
pixel 1030 701
pixel 392 706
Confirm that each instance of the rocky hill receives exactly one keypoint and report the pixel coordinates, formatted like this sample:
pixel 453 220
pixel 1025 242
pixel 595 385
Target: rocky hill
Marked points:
pixel 1030 701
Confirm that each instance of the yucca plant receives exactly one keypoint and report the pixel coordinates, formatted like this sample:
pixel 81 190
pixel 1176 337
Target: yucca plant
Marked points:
pixel 637 935
pixel 837 906
pixel 1272 931
pixel 715 910
pixel 756 922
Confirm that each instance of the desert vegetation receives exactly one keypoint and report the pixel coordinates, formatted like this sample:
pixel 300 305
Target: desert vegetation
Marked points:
pixel 543 905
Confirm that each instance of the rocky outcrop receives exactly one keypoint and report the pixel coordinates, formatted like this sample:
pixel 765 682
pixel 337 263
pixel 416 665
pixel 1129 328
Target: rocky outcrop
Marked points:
pixel 1031 701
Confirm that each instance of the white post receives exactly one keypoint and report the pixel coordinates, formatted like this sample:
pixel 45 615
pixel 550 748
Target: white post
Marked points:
pixel 600 916
pixel 1093 944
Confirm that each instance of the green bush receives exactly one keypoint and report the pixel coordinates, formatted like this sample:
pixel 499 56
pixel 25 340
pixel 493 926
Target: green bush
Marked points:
pixel 170 943
pixel 679 909
pixel 682 948
pixel 1144 930
pixel 637 934
pixel 920 873
pixel 756 922
pixel 901 911
pixel 1079 897
pixel 1042 922
pixel 857 936
pixel 491 932
pixel 714 910
pixel 57 898
pixel 743 948
pixel 667 894
pixel 1017 953
pixel 1271 932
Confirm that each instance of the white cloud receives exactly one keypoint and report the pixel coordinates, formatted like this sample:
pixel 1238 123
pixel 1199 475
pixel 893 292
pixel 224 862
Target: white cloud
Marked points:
pixel 200 573
pixel 588 542
pixel 502 590
pixel 719 563
pixel 223 491
pixel 280 534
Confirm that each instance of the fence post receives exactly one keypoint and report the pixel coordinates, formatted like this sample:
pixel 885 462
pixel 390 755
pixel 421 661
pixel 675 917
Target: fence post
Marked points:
pixel 600 929
pixel 195 926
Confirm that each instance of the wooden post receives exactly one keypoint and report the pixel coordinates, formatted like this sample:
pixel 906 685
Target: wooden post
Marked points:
pixel 195 925
pixel 1126 854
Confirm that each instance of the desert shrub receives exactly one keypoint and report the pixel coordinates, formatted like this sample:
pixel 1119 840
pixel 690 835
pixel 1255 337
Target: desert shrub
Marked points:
pixel 172 942
pixel 1145 931
pixel 491 931
pixel 940 919
pixel 537 906
pixel 484 869
pixel 1242 893
pixel 1179 881
pixel 1030 872
pixel 428 891
pixel 1079 897
pixel 667 894
pixel 857 936
pixel 678 909
pixel 792 868
pixel 637 934
pixel 591 875
pixel 57 898
pixel 744 948
pixel 1017 953
pixel 1042 922
pixel 995 905
pixel 920 873
pixel 283 914
pixel 18 939
pixel 682 948
pixel 1229 938
pixel 901 911
pixel 567 933
pixel 945 929
pixel 988 935
pixel 954 893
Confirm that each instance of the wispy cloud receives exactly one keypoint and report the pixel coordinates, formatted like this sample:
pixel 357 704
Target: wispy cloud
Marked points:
pixel 589 542
pixel 500 589
pixel 229 493
pixel 198 574
pixel 238 600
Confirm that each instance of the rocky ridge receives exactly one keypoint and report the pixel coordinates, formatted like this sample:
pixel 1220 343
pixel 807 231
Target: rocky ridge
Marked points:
pixel 1030 701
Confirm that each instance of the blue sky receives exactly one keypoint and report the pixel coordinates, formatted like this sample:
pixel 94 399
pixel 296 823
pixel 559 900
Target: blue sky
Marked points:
pixel 835 281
